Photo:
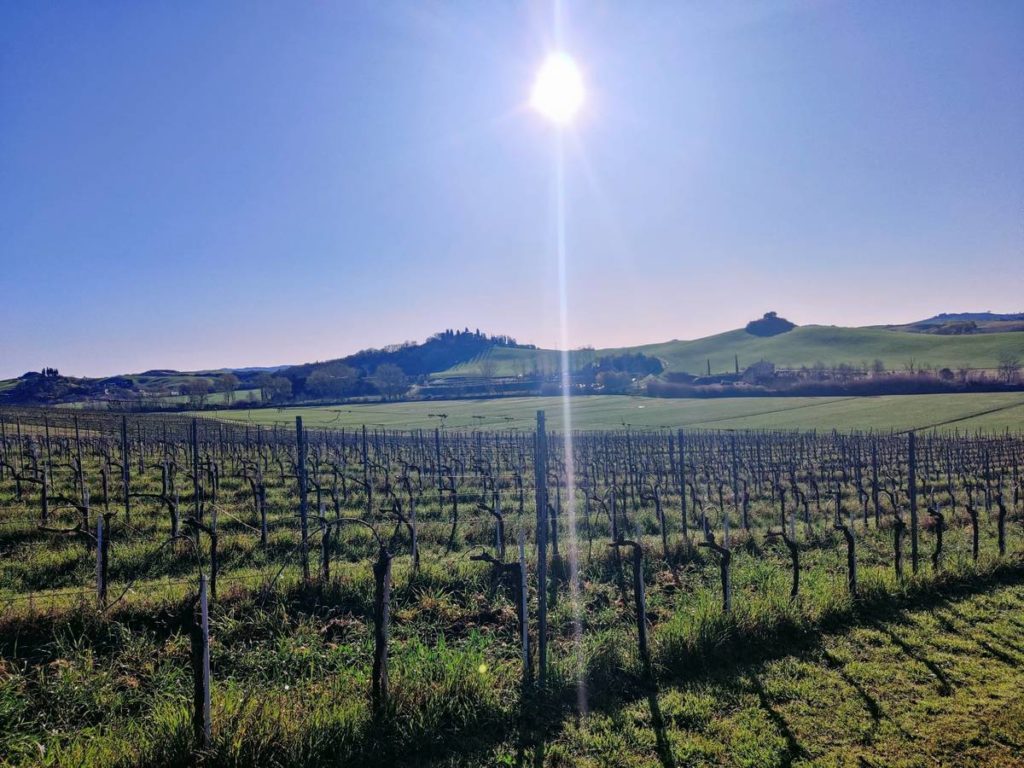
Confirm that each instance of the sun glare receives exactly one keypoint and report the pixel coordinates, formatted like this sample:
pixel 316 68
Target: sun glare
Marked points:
pixel 558 90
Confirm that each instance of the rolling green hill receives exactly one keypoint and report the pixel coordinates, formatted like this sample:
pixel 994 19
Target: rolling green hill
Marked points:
pixel 489 357
pixel 832 345
pixel 803 346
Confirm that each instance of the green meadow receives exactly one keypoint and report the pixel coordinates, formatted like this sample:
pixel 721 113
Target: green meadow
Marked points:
pixel 965 412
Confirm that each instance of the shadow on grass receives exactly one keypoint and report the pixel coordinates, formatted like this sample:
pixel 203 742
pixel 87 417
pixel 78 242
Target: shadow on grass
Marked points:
pixel 664 747
pixel 945 685
pixel 476 736
pixel 794 750
pixel 871 704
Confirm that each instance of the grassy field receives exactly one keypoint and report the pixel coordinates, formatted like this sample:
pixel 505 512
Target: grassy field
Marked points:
pixel 919 672
pixel 924 673
pixel 965 412
pixel 938 684
pixel 215 398
pixel 803 346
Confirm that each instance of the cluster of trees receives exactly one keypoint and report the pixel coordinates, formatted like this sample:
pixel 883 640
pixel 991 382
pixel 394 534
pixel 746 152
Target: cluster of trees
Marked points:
pixel 199 388
pixel 958 328
pixel 820 379
pixel 387 372
pixel 46 386
pixel 769 325
pixel 438 353
pixel 1007 371
pixel 635 363
pixel 336 380
pixel 1009 367
pixel 618 374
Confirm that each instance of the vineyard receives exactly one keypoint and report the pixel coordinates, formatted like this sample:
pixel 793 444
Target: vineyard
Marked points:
pixel 177 590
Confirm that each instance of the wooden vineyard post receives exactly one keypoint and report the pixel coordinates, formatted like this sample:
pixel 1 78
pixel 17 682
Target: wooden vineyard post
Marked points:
pixel 381 632
pixel 912 493
pixel 874 482
pixel 736 484
pixel 125 470
pixel 414 536
pixel 367 485
pixel 499 527
pixel 325 550
pixel 1001 524
pixel 197 511
pixel 101 562
pixel 201 720
pixel 640 596
pixel 682 489
pixel 541 496
pixel 300 446
pixel 261 496
pixel 45 495
pixel 524 620
pixel 214 562
pixel 939 523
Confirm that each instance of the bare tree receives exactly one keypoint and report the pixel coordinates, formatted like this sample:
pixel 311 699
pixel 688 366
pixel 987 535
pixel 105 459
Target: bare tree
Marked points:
pixel 1009 367
pixel 334 380
pixel 198 390
pixel 278 388
pixel 263 381
pixel 390 380
pixel 228 383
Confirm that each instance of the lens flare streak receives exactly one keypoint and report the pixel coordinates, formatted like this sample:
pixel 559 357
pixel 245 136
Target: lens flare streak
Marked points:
pixel 567 436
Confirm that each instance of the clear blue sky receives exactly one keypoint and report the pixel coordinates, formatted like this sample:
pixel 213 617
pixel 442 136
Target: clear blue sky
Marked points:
pixel 226 184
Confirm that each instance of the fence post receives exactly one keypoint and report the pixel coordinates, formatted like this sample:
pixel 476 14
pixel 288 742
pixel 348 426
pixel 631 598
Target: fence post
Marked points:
pixel 939 521
pixel 214 562
pixel 300 444
pixel 261 491
pixel 499 528
pixel 640 597
pixel 381 632
pixel 197 505
pixel 912 493
pixel 1001 524
pixel 524 620
pixel 874 482
pixel 201 724
pixel 682 488
pixel 541 498
pixel 45 498
pixel 101 565
pixel 325 550
pixel 125 470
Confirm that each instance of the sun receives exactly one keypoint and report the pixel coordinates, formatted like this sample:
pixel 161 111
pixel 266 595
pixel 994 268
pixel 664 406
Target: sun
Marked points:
pixel 558 90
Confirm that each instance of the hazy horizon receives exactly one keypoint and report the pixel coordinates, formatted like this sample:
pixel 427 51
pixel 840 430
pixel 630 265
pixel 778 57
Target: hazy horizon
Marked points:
pixel 250 185
pixel 488 331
